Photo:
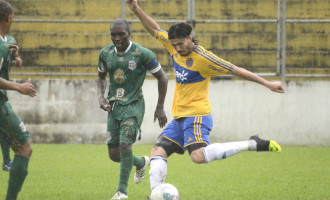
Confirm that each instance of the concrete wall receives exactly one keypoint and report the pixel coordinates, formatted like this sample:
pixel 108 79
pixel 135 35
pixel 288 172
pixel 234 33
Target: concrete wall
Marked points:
pixel 250 45
pixel 68 112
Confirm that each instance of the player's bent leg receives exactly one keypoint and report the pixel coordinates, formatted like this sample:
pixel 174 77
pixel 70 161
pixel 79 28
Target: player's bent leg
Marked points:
pixel 114 152
pixel 266 145
pixel 19 170
pixel 219 151
pixel 196 152
pixel 139 173
pixel 158 167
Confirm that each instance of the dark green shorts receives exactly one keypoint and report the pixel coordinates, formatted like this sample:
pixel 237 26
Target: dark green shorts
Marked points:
pixel 12 129
pixel 124 122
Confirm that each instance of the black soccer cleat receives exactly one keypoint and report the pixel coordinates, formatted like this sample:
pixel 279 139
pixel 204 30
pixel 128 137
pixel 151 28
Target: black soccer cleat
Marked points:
pixel 266 145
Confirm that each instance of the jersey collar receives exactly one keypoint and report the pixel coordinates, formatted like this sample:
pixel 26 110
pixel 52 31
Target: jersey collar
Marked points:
pixel 128 48
pixel 3 39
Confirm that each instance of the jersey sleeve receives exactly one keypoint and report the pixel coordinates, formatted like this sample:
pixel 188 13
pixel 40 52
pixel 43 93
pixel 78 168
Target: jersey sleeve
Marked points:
pixel 149 61
pixel 213 65
pixel 162 36
pixel 101 64
pixel 12 40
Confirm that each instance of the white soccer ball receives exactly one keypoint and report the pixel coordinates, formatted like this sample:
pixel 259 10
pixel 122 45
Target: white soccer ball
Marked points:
pixel 165 191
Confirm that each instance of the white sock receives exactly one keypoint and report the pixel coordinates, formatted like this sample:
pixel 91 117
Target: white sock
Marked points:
pixel 218 151
pixel 158 171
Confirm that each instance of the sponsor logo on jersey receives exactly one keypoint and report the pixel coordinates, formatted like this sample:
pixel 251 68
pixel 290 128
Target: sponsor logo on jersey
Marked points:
pixel 189 62
pixel 181 75
pixel 132 65
pixel 119 76
pixel 120 92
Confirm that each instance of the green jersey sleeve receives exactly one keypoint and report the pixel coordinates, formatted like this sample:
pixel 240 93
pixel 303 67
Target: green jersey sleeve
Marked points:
pixel 149 61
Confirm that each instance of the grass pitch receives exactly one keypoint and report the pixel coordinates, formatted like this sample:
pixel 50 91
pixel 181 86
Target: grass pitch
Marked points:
pixel 84 172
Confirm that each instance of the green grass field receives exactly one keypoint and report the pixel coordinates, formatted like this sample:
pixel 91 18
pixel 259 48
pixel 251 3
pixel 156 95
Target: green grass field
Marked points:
pixel 72 172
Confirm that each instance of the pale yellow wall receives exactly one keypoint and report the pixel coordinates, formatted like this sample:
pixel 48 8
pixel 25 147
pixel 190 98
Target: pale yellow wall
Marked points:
pixel 247 45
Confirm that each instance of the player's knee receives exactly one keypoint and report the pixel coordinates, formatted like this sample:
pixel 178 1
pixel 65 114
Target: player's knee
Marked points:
pixel 196 152
pixel 114 157
pixel 197 156
pixel 25 150
pixel 197 159
pixel 124 147
pixel 114 153
pixel 158 151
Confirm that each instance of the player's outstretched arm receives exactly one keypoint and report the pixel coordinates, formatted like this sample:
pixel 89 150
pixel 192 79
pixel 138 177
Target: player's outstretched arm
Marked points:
pixel 162 89
pixel 149 24
pixel 243 73
pixel 24 88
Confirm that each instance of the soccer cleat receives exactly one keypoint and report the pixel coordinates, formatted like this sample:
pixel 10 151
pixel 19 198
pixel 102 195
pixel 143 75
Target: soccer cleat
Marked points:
pixel 119 195
pixel 139 174
pixel 266 145
pixel 6 167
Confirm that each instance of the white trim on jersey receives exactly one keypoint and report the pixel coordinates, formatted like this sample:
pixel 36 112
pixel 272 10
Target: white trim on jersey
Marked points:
pixel 156 69
pixel 128 48
pixel 3 39
pixel 102 71
pixel 1 62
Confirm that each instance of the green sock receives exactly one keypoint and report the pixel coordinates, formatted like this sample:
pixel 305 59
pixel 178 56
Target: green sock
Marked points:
pixel 126 164
pixel 138 162
pixel 5 147
pixel 17 175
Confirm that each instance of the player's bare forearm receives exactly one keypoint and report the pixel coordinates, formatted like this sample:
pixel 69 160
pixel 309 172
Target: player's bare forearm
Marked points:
pixel 149 24
pixel 101 86
pixel 23 88
pixel 243 73
pixel 162 89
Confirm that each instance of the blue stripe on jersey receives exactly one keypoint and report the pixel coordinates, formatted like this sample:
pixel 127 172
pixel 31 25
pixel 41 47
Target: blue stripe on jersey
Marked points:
pixel 214 59
pixel 184 75
pixel 151 65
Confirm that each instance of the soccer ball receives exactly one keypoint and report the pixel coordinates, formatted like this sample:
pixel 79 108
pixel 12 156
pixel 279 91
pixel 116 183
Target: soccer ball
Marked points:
pixel 165 191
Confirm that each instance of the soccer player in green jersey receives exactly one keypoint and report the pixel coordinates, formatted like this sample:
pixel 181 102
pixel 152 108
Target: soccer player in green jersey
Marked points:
pixel 194 66
pixel 126 64
pixel 12 129
pixel 5 147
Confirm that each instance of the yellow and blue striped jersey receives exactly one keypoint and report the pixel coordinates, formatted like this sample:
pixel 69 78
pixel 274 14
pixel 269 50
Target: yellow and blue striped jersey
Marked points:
pixel 192 74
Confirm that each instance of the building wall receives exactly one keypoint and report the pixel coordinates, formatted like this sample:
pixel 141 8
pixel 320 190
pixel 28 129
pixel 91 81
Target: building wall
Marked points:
pixel 249 45
pixel 68 112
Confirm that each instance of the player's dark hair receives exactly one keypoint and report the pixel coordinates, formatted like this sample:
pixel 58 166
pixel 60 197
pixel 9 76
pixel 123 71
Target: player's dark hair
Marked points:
pixel 180 30
pixel 5 10
pixel 122 21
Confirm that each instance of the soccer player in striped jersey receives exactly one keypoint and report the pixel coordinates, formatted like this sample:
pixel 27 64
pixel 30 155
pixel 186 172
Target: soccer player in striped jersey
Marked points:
pixel 126 64
pixel 194 66
pixel 12 129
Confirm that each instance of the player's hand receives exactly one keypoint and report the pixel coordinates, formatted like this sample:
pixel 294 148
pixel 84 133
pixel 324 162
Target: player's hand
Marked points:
pixel 276 87
pixel 161 116
pixel 28 89
pixel 13 47
pixel 18 61
pixel 132 4
pixel 104 105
